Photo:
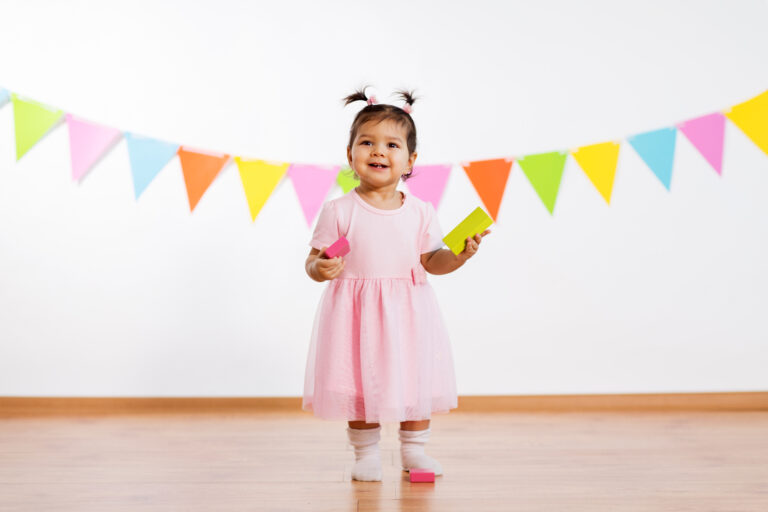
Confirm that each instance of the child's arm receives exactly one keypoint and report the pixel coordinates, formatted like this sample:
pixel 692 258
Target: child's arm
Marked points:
pixel 443 261
pixel 322 269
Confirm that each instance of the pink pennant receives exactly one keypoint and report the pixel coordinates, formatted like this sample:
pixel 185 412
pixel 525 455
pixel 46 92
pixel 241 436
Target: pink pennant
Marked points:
pixel 706 134
pixel 312 183
pixel 88 142
pixel 428 182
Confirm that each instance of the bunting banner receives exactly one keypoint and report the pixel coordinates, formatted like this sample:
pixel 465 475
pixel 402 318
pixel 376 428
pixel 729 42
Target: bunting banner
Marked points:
pixel 259 179
pixel 598 161
pixel 89 142
pixel 427 182
pixel 706 134
pixel 32 121
pixel 312 184
pixel 347 179
pixel 489 177
pixel 544 171
pixel 200 168
pixel 657 149
pixel 752 118
pixel 148 157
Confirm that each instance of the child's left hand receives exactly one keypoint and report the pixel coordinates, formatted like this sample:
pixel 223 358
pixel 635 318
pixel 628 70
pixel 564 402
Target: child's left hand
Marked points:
pixel 473 244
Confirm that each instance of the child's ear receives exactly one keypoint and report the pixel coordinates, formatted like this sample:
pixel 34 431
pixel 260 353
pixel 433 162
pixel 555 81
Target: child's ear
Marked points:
pixel 349 155
pixel 412 159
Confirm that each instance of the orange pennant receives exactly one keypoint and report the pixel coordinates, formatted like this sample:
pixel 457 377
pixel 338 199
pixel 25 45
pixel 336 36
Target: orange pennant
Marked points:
pixel 489 178
pixel 200 169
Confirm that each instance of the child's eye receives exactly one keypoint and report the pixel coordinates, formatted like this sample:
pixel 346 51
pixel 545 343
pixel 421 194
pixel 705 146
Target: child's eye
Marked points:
pixel 393 145
pixel 366 142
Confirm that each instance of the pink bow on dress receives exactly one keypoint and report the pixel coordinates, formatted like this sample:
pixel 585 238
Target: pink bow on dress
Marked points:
pixel 418 274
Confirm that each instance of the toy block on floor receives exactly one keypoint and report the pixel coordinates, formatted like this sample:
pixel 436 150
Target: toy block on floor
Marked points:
pixel 422 475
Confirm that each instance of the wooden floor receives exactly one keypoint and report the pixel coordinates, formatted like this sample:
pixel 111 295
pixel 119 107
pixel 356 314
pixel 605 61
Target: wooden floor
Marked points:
pixel 565 461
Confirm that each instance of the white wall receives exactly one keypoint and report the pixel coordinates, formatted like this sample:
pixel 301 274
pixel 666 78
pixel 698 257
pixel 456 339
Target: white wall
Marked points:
pixel 101 295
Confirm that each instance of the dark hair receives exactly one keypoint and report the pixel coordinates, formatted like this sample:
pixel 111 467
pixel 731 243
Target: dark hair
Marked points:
pixel 384 112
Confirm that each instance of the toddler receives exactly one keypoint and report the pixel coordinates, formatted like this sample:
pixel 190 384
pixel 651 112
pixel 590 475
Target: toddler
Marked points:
pixel 379 350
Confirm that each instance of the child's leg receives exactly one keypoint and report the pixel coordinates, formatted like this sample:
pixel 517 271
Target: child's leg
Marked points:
pixel 413 436
pixel 361 425
pixel 364 438
pixel 414 425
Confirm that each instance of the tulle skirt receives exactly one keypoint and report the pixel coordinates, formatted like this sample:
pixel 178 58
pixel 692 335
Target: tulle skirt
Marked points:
pixel 379 352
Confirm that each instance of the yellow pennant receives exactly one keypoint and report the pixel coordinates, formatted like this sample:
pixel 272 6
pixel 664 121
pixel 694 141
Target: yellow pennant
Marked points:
pixel 259 180
pixel 598 162
pixel 752 118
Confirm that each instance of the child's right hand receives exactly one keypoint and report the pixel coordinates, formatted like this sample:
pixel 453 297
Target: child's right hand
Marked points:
pixel 328 268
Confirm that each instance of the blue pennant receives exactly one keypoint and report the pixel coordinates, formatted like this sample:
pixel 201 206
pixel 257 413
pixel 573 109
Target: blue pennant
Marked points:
pixel 657 149
pixel 5 95
pixel 148 157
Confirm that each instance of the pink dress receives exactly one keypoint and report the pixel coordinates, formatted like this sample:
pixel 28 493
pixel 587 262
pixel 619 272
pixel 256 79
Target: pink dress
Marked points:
pixel 379 348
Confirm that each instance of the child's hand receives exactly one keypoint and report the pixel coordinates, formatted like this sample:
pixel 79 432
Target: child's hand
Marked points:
pixel 473 244
pixel 328 268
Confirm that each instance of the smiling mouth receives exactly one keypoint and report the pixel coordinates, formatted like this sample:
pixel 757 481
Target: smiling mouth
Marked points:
pixel 378 166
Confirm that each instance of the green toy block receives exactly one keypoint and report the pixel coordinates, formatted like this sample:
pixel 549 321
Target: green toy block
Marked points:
pixel 476 222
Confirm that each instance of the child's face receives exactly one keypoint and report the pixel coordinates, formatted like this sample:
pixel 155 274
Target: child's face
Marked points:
pixel 379 153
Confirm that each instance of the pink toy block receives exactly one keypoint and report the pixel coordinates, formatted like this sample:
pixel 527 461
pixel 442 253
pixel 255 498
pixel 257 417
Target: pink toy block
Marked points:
pixel 339 248
pixel 422 475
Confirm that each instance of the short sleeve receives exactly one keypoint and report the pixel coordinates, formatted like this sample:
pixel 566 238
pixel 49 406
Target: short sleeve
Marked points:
pixel 432 237
pixel 327 227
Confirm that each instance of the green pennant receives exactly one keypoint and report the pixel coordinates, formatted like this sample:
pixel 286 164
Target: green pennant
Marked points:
pixel 32 120
pixel 346 179
pixel 544 171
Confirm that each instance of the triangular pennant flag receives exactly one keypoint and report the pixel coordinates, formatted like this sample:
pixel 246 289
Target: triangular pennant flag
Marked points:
pixel 88 142
pixel 489 177
pixel 346 179
pixel 32 120
pixel 4 96
pixel 200 169
pixel 657 149
pixel 148 156
pixel 428 182
pixel 544 171
pixel 706 134
pixel 598 161
pixel 752 118
pixel 312 183
pixel 259 180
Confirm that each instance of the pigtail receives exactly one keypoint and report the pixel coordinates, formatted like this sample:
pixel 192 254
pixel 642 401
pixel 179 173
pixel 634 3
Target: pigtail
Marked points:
pixel 358 95
pixel 408 97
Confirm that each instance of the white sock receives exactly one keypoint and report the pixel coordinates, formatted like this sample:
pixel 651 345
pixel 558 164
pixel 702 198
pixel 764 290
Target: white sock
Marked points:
pixel 367 466
pixel 412 451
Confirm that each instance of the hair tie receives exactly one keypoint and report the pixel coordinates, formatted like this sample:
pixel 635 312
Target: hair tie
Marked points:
pixel 408 108
pixel 372 100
